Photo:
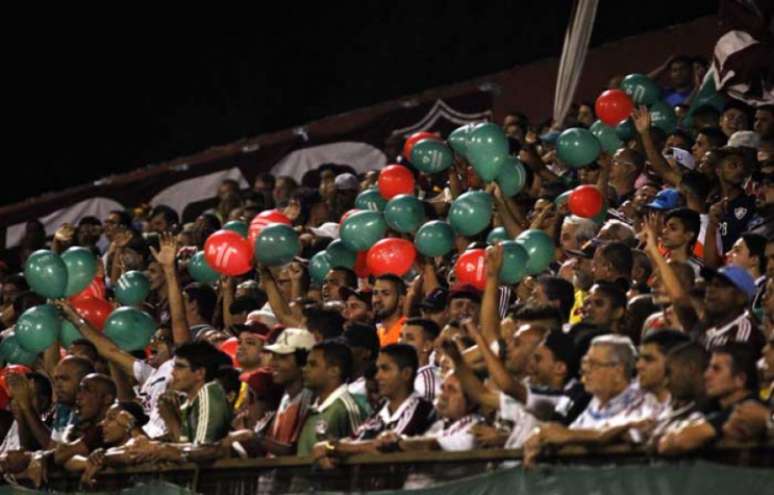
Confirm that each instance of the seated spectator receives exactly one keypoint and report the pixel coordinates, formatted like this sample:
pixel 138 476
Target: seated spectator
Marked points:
pixel 364 344
pixel 31 396
pixel 357 306
pixel 421 335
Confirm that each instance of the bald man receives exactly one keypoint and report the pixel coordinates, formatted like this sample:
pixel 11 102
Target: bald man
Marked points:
pixel 95 395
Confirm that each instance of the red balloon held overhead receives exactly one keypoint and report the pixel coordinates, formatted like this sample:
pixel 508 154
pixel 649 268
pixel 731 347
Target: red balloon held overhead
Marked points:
pixel 395 256
pixel 94 311
pixel 613 106
pixel 585 201
pixel 361 265
pixel 263 219
pixel 408 146
pixel 394 180
pixel 230 347
pixel 471 268
pixel 228 253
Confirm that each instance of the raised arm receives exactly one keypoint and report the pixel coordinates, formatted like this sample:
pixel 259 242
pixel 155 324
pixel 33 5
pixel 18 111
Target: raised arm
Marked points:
pixel 165 257
pixel 277 301
pixel 497 371
pixel 490 315
pixel 642 122
pixel 470 383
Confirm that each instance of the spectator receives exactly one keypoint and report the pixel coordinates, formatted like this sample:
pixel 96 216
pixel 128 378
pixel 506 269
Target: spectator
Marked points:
pixel 421 335
pixel 679 235
pixel 364 344
pixel 357 306
pixel 605 307
pixel 337 279
pixel 387 301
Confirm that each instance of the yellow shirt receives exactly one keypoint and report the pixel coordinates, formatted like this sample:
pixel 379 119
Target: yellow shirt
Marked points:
pixel 575 314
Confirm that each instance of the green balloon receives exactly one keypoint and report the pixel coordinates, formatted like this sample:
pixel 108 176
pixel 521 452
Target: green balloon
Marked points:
pixel 625 130
pixel 515 261
pixel 641 88
pixel 200 270
pixel 68 334
pixel 130 328
pixel 81 268
pixel 487 150
pixel 663 116
pixel 458 139
pixel 370 199
pixel 319 266
pixel 404 213
pixel 11 351
pixel 435 238
pixel 277 245
pixel 46 274
pixel 471 212
pixel 512 176
pixel 577 147
pixel 431 156
pixel 607 137
pixel 540 249
pixel 38 328
pixel 602 215
pixel 498 234
pixel 563 198
pixel 339 256
pixel 362 229
pixel 132 288
pixel 237 226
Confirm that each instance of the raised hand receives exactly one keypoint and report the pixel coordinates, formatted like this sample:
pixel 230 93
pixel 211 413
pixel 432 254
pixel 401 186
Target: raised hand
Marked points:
pixel 494 260
pixel 167 251
pixel 641 118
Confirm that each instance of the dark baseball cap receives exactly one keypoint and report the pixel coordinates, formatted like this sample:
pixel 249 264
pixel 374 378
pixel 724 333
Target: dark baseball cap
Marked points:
pixel 363 295
pixel 587 250
pixel 465 291
pixel 436 300
pixel 362 335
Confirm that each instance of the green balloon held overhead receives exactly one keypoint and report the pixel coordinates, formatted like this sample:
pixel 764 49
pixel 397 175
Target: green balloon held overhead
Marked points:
pixel 12 352
pixel 487 150
pixel 512 176
pixel 46 274
pixel 435 238
pixel 132 288
pixel 277 245
pixel 577 147
pixel 362 229
pixel 540 249
pixel 404 213
pixel 431 156
pixel 641 88
pixel 458 139
pixel 81 268
pixel 563 198
pixel 471 212
pixel 130 328
pixel 319 266
pixel 607 137
pixel 663 116
pixel 340 256
pixel 38 328
pixel 68 334
pixel 237 226
pixel 200 270
pixel 625 130
pixel 498 234
pixel 370 199
pixel 515 260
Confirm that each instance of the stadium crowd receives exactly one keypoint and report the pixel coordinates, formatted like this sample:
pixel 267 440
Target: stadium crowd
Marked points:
pixel 651 321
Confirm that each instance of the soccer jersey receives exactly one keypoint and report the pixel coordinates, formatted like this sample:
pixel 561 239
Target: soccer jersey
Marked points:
pixel 152 382
pixel 513 415
pixel 207 418
pixel 455 435
pixel 290 417
pixel 338 416
pixel 64 418
pixel 413 417
pixel 740 329
pixel 428 382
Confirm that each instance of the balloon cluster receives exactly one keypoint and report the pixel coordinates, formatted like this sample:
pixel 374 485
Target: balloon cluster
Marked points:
pixel 54 276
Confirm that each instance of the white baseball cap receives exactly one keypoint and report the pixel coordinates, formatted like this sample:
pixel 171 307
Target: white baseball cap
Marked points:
pixel 290 340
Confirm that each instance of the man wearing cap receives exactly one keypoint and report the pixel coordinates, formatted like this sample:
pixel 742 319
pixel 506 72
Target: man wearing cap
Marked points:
pixel 250 354
pixel 582 277
pixel 288 357
pixel 464 303
pixel 364 344
pixel 347 187
pixel 357 305
pixel 387 299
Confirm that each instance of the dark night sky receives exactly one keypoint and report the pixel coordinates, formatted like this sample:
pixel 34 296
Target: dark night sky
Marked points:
pixel 101 100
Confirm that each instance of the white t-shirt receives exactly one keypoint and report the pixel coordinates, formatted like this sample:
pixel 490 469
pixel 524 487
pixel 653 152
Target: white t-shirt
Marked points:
pixel 427 383
pixel 11 441
pixel 630 405
pixel 152 383
pixel 456 436
pixel 521 422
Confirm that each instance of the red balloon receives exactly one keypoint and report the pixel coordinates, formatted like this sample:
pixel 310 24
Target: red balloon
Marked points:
pixel 361 265
pixel 263 219
pixel 95 290
pixel 228 253
pixel 229 346
pixel 585 201
pixel 394 180
pixel 471 268
pixel 94 311
pixel 391 255
pixel 408 146
pixel 613 106
pixel 348 213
